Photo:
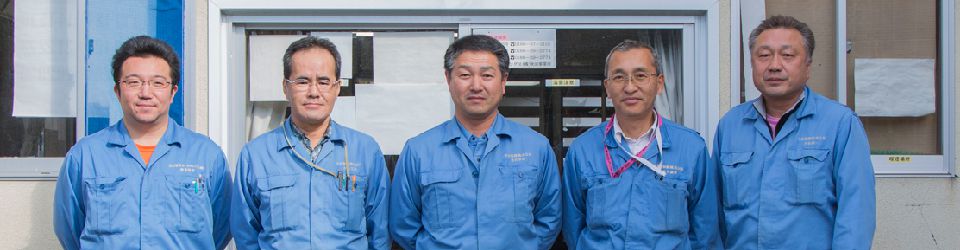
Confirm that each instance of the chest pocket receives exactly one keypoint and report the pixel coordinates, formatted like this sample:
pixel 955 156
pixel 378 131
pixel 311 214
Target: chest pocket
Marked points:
pixel 439 202
pixel 351 209
pixel 523 180
pixel 810 173
pixel 193 202
pixel 277 195
pixel 104 201
pixel 668 212
pixel 736 178
pixel 599 188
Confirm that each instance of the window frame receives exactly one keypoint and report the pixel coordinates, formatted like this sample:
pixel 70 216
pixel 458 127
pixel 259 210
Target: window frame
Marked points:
pixel 942 165
pixel 228 19
pixel 48 168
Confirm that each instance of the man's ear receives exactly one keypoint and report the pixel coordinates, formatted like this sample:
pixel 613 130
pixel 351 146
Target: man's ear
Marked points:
pixel 661 84
pixel 173 92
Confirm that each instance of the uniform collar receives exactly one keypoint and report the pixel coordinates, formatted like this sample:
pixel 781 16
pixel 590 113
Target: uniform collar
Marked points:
pixel 803 108
pixel 611 141
pixel 468 135
pixel 618 131
pixel 120 136
pixel 289 132
pixel 453 130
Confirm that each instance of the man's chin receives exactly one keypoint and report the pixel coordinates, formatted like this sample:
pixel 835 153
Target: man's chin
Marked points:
pixel 147 119
pixel 479 113
pixel 313 118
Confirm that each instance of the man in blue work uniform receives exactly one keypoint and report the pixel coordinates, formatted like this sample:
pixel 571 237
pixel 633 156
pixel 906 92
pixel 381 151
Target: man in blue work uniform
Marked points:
pixel 795 166
pixel 638 181
pixel 477 181
pixel 145 182
pixel 311 183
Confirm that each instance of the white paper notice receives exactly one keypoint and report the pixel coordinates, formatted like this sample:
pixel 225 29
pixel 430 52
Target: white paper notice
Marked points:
pixel 45 75
pixel 894 87
pixel 345 111
pixel 409 57
pixel 266 66
pixel 344 43
pixel 393 113
pixel 528 48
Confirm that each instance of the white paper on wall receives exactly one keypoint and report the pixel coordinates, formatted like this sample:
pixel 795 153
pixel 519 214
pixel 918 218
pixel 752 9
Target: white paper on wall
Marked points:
pixel 45 69
pixel 345 111
pixel 528 48
pixel 344 43
pixel 894 87
pixel 409 57
pixel 266 66
pixel 394 113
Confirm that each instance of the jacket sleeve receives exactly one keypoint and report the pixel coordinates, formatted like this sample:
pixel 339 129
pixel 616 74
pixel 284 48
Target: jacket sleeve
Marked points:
pixel 219 192
pixel 856 198
pixel 245 213
pixel 573 200
pixel 405 218
pixel 703 208
pixel 548 204
pixel 377 205
pixel 68 213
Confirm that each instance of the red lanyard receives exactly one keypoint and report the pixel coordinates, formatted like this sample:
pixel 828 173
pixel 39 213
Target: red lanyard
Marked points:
pixel 616 174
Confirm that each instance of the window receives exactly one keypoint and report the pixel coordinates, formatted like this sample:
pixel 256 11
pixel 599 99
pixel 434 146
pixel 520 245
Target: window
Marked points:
pixel 37 107
pixel 561 113
pixel 895 82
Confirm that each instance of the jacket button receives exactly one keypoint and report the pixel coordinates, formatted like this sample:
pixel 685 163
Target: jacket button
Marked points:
pixel 476 174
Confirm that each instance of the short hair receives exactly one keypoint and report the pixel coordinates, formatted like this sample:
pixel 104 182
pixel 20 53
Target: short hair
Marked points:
pixel 477 43
pixel 309 42
pixel 786 22
pixel 144 46
pixel 627 45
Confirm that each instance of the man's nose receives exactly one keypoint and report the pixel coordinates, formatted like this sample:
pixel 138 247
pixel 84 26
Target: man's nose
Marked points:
pixel 776 65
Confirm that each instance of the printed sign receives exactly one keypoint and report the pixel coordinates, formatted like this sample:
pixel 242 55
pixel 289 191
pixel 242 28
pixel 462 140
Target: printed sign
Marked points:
pixel 528 48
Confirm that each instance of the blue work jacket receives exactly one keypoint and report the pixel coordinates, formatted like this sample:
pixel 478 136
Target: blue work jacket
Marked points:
pixel 810 187
pixel 445 198
pixel 281 202
pixel 639 209
pixel 107 198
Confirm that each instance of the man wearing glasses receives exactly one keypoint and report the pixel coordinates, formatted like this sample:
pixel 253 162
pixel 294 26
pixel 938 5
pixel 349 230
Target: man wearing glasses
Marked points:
pixel 638 181
pixel 145 182
pixel 477 181
pixel 795 166
pixel 311 183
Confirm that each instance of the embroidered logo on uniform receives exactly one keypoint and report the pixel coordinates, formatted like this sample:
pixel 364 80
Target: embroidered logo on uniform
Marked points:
pixel 186 168
pixel 671 169
pixel 517 157
pixel 812 140
pixel 352 164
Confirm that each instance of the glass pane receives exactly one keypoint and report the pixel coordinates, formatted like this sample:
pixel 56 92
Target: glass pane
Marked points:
pixel 26 137
pixel 264 116
pixel 563 113
pixel 893 74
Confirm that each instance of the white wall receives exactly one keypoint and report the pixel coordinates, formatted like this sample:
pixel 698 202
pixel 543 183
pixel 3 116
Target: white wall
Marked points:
pixel 27 211
pixel 918 213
